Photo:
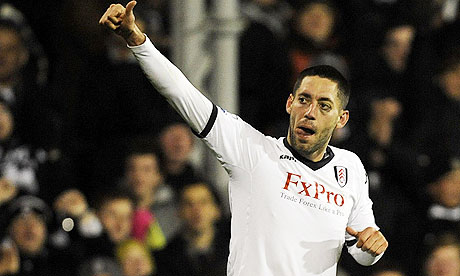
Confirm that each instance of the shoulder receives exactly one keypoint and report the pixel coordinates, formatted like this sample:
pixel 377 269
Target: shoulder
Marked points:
pixel 347 155
pixel 351 161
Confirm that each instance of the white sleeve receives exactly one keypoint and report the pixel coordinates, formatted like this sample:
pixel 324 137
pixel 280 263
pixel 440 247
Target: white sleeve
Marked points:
pixel 363 258
pixel 191 104
pixel 361 217
pixel 222 130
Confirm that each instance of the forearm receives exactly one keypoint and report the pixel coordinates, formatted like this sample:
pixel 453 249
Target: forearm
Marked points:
pixel 193 106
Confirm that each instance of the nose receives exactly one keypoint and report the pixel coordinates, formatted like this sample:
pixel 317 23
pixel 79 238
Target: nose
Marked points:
pixel 310 112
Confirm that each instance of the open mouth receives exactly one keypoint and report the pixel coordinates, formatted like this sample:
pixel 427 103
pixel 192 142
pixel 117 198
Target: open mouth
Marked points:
pixel 306 130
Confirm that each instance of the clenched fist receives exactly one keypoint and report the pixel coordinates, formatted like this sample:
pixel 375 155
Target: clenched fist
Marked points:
pixel 121 20
pixel 370 240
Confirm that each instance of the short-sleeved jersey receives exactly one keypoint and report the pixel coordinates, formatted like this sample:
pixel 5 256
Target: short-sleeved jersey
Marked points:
pixel 289 214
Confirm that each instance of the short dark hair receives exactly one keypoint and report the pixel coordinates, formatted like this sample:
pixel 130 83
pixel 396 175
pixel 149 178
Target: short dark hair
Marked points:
pixel 328 72
pixel 210 187
pixel 142 145
pixel 107 195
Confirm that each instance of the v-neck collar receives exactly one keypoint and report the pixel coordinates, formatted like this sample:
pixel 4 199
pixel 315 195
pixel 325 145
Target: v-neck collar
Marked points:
pixel 311 164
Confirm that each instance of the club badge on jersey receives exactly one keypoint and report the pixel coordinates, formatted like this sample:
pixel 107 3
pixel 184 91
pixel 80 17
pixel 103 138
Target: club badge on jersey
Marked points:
pixel 341 175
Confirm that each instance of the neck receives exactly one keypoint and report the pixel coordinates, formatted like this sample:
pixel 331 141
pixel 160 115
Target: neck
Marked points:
pixel 175 167
pixel 9 82
pixel 202 240
pixel 146 200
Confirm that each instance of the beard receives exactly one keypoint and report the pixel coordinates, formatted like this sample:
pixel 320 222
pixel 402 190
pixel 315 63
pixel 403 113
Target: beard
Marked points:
pixel 308 148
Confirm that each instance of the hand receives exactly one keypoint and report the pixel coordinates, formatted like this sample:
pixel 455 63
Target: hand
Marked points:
pixel 7 190
pixel 121 20
pixel 9 259
pixel 71 202
pixel 370 240
pixel 386 109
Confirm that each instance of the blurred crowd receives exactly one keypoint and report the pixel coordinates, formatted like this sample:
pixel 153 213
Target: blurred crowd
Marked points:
pixel 96 176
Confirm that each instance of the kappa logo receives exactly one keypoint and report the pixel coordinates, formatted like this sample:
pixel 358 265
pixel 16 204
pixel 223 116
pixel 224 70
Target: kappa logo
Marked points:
pixel 287 157
pixel 341 175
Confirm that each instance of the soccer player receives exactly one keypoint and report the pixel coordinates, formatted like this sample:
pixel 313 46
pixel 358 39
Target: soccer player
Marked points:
pixel 295 201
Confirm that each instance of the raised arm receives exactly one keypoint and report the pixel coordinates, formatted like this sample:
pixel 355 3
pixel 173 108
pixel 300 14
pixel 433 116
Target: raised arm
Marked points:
pixel 193 106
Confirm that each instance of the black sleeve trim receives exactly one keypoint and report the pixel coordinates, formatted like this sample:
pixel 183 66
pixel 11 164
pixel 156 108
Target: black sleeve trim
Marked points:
pixel 209 125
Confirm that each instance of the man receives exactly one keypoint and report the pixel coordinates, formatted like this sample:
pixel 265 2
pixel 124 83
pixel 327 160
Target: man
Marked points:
pixel 144 178
pixel 33 249
pixel 176 144
pixel 291 198
pixel 202 243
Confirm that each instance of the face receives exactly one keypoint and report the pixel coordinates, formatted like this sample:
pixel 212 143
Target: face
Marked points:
pixel 389 273
pixel 6 122
pixel 316 22
pixel 136 262
pixel 450 81
pixel 198 210
pixel 143 174
pixel 315 111
pixel 116 216
pixel 29 233
pixel 448 189
pixel 13 55
pixel 398 43
pixel 444 261
pixel 176 143
pixel 266 2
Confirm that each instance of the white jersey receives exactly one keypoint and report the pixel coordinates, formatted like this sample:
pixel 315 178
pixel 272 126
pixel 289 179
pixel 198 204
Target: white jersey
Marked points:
pixel 289 214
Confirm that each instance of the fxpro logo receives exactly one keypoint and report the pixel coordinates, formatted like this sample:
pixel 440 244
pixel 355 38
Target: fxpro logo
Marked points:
pixel 313 190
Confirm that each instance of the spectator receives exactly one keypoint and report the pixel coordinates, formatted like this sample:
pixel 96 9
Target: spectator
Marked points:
pixel 430 51
pixel 135 259
pixel 437 215
pixel 381 136
pixel 314 35
pixel 443 212
pixel 115 210
pixel 389 272
pixel 154 198
pixel 28 228
pixel 444 257
pixel 202 243
pixel 444 103
pixel 23 79
pixel 176 143
pixel 133 112
pixel 25 168
pixel 72 204
pixel 100 266
pixel 157 17
pixel 382 75
pixel 264 71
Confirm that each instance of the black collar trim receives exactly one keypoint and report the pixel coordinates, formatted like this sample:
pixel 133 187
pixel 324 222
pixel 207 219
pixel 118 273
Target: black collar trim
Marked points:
pixel 312 165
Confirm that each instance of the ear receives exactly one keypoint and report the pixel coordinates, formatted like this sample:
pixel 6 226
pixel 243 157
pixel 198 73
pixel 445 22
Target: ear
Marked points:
pixel 218 213
pixel 289 103
pixel 343 119
pixel 23 56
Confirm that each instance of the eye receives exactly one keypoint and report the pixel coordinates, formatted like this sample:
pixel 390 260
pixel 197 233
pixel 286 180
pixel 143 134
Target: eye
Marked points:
pixel 325 106
pixel 302 99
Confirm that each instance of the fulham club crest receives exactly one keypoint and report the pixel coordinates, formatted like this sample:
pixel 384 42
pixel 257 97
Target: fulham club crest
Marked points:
pixel 341 175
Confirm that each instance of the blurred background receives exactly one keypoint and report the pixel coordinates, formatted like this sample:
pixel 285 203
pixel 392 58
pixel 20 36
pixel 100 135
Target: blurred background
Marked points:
pixel 85 138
